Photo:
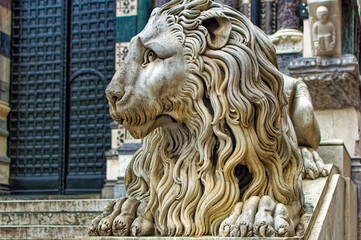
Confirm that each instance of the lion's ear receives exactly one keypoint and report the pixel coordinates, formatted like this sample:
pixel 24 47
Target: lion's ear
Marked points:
pixel 219 28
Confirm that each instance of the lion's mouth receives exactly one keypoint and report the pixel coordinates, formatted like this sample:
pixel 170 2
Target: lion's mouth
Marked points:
pixel 141 124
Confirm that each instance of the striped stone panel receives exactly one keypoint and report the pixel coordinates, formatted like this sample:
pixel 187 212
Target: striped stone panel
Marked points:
pixel 5 39
pixel 268 16
pixel 132 16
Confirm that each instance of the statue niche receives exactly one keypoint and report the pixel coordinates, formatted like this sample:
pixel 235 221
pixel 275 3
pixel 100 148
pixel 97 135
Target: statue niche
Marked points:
pixel 223 130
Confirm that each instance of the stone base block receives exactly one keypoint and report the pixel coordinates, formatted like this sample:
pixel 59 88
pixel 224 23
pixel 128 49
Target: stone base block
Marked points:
pixel 108 189
pixel 341 124
pixel 334 152
pixel 119 188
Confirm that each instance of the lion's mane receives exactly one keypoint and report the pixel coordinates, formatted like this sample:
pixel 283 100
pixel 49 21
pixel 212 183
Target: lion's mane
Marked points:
pixel 238 141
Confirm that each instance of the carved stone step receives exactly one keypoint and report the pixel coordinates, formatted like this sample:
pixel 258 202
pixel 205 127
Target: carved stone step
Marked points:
pixel 47 218
pixel 42 232
pixel 92 205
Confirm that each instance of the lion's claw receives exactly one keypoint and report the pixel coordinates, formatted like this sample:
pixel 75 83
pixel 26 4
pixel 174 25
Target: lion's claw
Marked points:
pixel 313 165
pixel 123 217
pixel 260 217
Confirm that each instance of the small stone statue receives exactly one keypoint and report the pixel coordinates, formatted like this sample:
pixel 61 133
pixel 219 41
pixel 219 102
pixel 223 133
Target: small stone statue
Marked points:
pixel 323 33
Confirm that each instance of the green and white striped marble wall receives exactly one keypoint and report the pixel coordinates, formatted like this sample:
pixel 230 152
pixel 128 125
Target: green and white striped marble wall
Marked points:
pixel 5 33
pixel 132 16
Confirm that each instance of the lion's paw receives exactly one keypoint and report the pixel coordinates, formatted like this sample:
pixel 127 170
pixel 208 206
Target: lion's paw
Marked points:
pixel 313 165
pixel 260 217
pixel 121 218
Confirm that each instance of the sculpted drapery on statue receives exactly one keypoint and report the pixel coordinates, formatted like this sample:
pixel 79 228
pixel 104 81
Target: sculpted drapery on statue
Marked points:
pixel 223 129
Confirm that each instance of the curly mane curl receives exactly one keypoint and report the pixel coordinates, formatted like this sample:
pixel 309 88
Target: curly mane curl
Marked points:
pixel 237 140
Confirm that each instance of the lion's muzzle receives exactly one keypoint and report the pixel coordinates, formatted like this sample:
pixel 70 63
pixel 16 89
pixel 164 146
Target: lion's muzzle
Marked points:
pixel 114 93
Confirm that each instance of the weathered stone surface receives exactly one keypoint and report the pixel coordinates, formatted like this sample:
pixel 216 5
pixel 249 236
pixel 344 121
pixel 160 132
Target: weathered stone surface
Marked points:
pixel 284 60
pixel 287 41
pixel 350 210
pixel 332 82
pixel 356 178
pixel 288 14
pixel 95 205
pixel 330 222
pixel 42 232
pixel 334 152
pixel 47 218
pixel 231 3
pixel 343 124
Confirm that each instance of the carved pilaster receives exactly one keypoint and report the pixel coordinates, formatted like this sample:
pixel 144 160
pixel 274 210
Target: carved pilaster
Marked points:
pixel 268 16
pixel 245 8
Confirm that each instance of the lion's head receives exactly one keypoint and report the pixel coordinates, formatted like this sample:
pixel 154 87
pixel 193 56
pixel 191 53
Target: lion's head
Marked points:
pixel 201 85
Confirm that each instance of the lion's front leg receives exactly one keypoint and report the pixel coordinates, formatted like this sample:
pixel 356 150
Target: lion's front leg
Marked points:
pixel 125 217
pixel 261 217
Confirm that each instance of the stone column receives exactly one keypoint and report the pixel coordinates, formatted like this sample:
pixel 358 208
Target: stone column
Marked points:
pixel 159 3
pixel 5 31
pixel 231 3
pixel 288 14
pixel 288 39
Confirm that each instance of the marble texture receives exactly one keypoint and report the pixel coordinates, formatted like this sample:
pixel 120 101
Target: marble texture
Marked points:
pixel 334 152
pixel 343 124
pixel 288 14
pixel 330 222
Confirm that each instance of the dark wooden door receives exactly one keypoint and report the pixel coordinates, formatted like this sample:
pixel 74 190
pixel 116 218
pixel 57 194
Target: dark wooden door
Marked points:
pixel 62 60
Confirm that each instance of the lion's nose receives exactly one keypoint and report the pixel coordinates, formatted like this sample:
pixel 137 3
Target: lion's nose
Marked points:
pixel 113 95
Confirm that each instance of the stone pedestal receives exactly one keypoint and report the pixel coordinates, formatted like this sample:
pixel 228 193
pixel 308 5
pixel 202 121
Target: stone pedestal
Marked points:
pixel 108 189
pixel 341 124
pixel 334 152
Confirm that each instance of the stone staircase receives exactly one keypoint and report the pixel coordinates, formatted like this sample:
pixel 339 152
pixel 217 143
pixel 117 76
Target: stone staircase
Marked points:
pixel 47 219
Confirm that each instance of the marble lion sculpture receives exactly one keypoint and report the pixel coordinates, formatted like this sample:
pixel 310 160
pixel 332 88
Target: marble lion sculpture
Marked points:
pixel 227 137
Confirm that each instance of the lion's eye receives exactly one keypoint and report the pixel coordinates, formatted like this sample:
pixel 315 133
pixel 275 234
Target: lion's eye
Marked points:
pixel 149 56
